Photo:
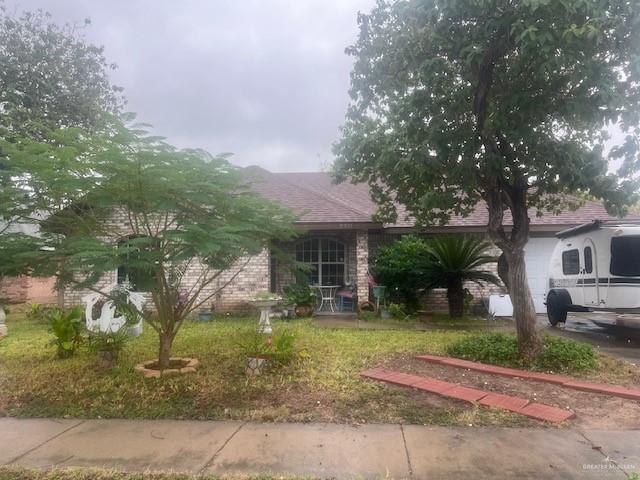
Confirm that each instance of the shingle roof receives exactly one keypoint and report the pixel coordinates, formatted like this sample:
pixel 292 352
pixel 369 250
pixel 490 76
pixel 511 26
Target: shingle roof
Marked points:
pixel 317 199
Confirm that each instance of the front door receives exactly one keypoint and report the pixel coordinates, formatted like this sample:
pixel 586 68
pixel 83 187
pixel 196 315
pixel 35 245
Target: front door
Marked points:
pixel 589 274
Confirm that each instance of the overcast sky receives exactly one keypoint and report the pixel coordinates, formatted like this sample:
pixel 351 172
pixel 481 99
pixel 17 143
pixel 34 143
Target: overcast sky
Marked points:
pixel 264 79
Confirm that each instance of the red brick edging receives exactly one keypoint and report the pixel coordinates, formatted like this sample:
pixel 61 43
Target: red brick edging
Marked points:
pixel 613 390
pixel 519 405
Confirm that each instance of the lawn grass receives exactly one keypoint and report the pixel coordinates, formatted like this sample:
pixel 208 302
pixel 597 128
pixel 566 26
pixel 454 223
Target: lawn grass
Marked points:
pixel 322 385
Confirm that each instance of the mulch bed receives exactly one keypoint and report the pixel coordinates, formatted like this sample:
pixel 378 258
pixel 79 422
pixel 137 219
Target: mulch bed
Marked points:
pixel 592 410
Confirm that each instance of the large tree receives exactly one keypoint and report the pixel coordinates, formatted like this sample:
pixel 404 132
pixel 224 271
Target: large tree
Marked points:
pixel 51 80
pixel 503 101
pixel 178 224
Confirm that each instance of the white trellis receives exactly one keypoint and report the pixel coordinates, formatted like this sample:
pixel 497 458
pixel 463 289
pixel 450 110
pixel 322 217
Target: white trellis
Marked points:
pixel 109 321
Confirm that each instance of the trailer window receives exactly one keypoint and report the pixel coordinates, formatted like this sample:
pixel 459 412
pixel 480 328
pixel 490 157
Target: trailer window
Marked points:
pixel 625 256
pixel 571 262
pixel 588 260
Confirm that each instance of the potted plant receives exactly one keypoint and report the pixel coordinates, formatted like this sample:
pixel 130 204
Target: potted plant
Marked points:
pixel 302 296
pixel 262 351
pixel 108 345
pixel 256 348
pixel 206 314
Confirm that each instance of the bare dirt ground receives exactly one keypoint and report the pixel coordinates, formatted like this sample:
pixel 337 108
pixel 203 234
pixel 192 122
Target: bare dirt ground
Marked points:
pixel 593 411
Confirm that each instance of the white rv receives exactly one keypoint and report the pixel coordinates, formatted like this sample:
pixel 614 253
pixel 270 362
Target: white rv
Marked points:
pixel 595 266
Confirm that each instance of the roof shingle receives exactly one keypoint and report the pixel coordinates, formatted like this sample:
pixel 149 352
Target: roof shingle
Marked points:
pixel 315 197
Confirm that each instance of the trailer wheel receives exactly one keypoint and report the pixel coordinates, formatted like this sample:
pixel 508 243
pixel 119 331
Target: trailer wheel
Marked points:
pixel 556 308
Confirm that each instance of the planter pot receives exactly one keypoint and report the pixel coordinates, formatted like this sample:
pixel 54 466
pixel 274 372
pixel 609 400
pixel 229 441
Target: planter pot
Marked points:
pixel 107 359
pixel 255 366
pixel 205 316
pixel 135 331
pixel 291 313
pixel 304 311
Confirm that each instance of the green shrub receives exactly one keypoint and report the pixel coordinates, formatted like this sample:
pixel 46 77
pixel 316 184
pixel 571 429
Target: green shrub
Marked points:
pixel 399 312
pixel 300 295
pixel 108 341
pixel 557 354
pixel 279 348
pixel 67 327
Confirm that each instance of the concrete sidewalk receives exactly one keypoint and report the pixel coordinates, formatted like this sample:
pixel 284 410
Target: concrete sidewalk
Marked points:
pixel 320 450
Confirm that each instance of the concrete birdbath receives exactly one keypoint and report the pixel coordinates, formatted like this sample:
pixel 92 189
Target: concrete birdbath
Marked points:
pixel 264 302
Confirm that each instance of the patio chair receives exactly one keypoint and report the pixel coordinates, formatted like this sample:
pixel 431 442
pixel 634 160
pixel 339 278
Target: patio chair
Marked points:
pixel 346 297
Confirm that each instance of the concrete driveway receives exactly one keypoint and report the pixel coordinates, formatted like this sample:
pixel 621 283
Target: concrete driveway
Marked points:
pixel 604 330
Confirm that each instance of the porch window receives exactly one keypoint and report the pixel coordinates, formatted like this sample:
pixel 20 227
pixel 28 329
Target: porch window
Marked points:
pixel 327 260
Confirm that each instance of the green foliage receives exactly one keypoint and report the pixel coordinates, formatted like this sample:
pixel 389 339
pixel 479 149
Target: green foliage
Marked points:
pixel 50 75
pixel 399 312
pixel 427 107
pixel 40 313
pixel 398 267
pixel 558 354
pixel 67 327
pixel 279 348
pixel 220 390
pixel 496 101
pixel 99 341
pixel 413 264
pixel 300 295
pixel 54 89
pixel 180 205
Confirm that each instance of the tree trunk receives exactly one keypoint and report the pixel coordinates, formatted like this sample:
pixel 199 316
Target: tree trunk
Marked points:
pixel 164 354
pixel 524 311
pixel 503 270
pixel 455 296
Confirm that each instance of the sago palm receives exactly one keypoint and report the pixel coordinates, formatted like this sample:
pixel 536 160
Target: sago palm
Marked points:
pixel 454 260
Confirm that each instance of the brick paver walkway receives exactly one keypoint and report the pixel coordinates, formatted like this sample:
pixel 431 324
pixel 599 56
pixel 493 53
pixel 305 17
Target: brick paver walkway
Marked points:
pixel 511 403
pixel 613 390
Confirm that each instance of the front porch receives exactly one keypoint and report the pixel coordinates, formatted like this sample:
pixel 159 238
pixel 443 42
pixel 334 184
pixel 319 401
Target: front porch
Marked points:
pixel 337 266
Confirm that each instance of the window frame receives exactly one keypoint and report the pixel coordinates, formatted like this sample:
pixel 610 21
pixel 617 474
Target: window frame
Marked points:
pixel 316 254
pixel 565 254
pixel 588 266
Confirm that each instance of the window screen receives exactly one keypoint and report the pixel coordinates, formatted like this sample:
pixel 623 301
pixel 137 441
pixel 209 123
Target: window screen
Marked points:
pixel 571 262
pixel 326 259
pixel 588 260
pixel 625 256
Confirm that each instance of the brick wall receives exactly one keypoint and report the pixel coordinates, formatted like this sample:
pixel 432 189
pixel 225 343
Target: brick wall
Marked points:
pixel 28 289
pixel 15 289
pixel 230 291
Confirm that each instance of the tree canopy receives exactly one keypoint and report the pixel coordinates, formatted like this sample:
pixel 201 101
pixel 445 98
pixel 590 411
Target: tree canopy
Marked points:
pixel 510 102
pixel 177 218
pixel 54 91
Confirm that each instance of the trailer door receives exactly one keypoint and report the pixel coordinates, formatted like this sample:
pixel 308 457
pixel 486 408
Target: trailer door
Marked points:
pixel 589 274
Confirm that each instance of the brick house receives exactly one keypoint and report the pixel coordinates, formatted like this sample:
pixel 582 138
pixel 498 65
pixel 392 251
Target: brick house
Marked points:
pixel 339 237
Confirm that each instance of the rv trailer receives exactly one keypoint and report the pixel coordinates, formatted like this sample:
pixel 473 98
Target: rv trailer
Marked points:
pixel 595 267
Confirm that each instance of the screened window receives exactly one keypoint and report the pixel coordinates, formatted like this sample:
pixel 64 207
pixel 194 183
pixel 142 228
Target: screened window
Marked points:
pixel 326 259
pixel 625 256
pixel 571 262
pixel 588 260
